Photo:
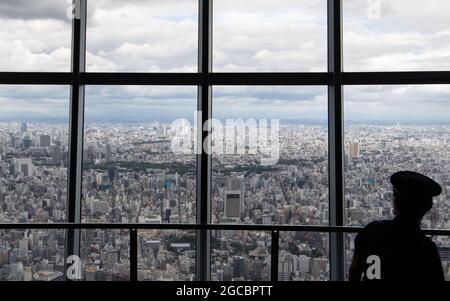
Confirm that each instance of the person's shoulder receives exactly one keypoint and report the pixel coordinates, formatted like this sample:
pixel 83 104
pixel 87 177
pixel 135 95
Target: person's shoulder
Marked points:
pixel 373 228
pixel 377 225
pixel 428 242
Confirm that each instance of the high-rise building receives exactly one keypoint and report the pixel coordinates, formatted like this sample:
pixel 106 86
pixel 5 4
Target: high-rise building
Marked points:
pixel 27 274
pixel 23 247
pixel 354 150
pixel 112 257
pixel 45 140
pixel 238 266
pixel 27 142
pixel 91 273
pixel 56 154
pixel 23 166
pixel 234 198
pixel 108 152
pixel 23 127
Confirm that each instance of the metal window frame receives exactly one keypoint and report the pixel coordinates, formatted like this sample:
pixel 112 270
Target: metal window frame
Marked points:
pixel 335 79
pixel 76 124
pixel 336 139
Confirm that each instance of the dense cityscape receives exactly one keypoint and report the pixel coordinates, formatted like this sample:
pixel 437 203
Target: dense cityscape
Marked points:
pixel 130 175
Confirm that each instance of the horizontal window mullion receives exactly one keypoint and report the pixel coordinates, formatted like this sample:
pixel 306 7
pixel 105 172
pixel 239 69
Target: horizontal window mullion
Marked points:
pixel 395 78
pixel 192 79
pixel 35 78
pixel 247 227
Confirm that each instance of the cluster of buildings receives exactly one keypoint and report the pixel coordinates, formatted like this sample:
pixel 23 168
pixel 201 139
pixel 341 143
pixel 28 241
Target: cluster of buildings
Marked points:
pixel 33 172
pixel 375 152
pixel 105 255
pixel 32 255
pixel 131 175
pixel 166 255
pixel 240 255
pixel 304 256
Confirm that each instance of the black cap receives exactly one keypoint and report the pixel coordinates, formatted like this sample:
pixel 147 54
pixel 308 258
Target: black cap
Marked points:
pixel 414 186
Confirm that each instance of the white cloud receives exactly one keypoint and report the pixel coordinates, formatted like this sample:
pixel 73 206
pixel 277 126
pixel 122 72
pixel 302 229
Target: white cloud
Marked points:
pixel 34 45
pixel 282 35
pixel 409 35
pixel 143 36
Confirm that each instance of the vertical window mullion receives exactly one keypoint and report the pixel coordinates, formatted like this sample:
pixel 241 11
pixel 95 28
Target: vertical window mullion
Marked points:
pixel 203 211
pixel 78 63
pixel 336 139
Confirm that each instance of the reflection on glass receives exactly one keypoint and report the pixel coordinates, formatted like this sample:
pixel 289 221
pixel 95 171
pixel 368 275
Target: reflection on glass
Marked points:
pixel 166 255
pixel 304 256
pixel 131 171
pixel 105 255
pixel 240 255
pixel 35 36
pixel 33 153
pixel 401 35
pixel 32 255
pixel 142 36
pixel 388 129
pixel 270 155
pixel 267 35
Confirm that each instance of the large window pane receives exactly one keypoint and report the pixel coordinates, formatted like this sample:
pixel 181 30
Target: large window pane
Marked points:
pixel 443 246
pixel 389 129
pixel 240 255
pixel 32 255
pixel 105 255
pixel 270 155
pixel 304 256
pixel 442 243
pixel 142 36
pixel 35 35
pixel 34 124
pixel 166 255
pixel 267 35
pixel 131 172
pixel 400 35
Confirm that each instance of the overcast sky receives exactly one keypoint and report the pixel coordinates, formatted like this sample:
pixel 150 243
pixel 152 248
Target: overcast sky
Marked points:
pixel 258 35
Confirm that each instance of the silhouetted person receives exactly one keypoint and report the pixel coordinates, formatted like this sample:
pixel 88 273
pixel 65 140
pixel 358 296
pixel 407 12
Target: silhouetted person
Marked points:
pixel 404 252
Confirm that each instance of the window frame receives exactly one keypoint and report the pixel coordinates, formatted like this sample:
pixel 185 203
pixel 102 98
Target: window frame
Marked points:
pixel 205 79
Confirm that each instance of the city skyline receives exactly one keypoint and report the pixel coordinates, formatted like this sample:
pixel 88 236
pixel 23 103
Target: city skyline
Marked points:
pixel 147 184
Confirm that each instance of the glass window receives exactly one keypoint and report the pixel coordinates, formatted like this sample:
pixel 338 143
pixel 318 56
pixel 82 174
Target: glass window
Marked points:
pixel 166 255
pixel 401 35
pixel 389 129
pixel 240 255
pixel 105 255
pixel 442 244
pixel 32 255
pixel 304 256
pixel 267 35
pixel 133 169
pixel 270 155
pixel 142 36
pixel 35 36
pixel 34 129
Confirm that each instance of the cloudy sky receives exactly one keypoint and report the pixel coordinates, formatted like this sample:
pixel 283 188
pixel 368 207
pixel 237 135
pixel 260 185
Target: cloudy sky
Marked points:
pixel 257 35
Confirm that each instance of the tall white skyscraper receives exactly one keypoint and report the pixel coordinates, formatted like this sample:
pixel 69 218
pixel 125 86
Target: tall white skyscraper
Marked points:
pixel 23 247
pixel 23 166
pixel 108 152
pixel 353 150
pixel 234 198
